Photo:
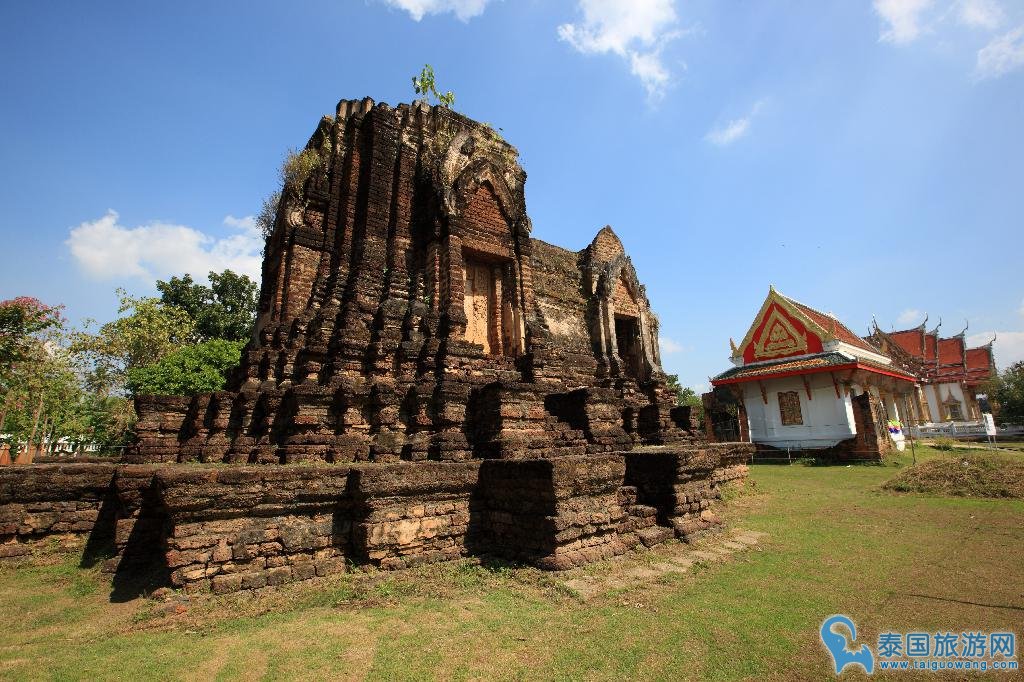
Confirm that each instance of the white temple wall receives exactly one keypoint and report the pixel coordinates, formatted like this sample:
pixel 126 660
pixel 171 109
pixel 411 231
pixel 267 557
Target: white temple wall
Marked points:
pixel 827 420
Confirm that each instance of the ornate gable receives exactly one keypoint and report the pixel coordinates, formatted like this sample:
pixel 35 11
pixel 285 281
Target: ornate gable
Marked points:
pixel 780 331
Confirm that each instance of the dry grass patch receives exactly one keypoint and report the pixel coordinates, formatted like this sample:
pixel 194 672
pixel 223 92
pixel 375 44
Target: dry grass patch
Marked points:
pixel 964 475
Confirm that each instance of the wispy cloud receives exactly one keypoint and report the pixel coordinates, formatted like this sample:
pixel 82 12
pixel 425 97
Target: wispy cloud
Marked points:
pixel 1008 348
pixel 105 249
pixel 902 19
pixel 463 9
pixel 984 14
pixel 1002 55
pixel 668 346
pixel 909 316
pixel 636 30
pixel 733 130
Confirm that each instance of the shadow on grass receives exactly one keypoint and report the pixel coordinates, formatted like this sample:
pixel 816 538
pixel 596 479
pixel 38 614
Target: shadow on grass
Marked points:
pixel 961 601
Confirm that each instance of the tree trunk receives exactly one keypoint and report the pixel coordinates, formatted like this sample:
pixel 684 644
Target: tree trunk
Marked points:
pixel 3 411
pixel 25 456
pixel 42 435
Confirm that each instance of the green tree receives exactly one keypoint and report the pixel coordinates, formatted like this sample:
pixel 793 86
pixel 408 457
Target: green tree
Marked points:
pixel 30 333
pixel 193 369
pixel 685 395
pixel 426 87
pixel 226 309
pixel 1007 392
pixel 145 331
pixel 24 321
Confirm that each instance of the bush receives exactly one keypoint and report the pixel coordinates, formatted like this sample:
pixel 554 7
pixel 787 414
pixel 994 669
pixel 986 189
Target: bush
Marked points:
pixel 968 476
pixel 298 166
pixel 943 443
pixel 200 368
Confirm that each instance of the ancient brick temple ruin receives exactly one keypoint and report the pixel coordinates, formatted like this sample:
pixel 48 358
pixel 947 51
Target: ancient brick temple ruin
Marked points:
pixel 437 382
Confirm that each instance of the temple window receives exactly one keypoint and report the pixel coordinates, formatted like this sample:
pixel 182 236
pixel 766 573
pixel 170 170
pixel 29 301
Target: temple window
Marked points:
pixel 955 413
pixel 789 408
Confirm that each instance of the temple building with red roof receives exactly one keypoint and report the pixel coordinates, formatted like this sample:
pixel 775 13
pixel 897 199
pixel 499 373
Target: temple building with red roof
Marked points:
pixel 950 374
pixel 803 381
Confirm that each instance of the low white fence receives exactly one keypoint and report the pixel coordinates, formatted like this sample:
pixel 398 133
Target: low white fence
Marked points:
pixel 963 429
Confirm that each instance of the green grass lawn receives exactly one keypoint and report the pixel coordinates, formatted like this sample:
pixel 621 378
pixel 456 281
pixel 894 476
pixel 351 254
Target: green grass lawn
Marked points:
pixel 837 543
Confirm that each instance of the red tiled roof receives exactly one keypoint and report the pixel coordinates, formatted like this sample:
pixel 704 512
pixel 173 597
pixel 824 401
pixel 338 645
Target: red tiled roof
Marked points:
pixel 951 351
pixel 979 358
pixel 816 363
pixel 831 324
pixel 944 360
pixel 909 340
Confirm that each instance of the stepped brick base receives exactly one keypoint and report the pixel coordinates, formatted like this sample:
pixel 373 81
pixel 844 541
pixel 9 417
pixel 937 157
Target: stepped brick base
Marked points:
pixel 226 528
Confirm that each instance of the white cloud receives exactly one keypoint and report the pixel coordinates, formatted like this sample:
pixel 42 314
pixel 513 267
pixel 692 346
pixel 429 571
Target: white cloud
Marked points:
pixel 463 9
pixel 1008 348
pixel 668 346
pixel 1002 55
pixel 702 388
pixel 733 130
pixel 636 30
pixel 909 316
pixel 106 249
pixel 985 14
pixel 902 18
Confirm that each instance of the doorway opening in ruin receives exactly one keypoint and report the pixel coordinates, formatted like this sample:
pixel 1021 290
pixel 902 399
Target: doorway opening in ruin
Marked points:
pixel 627 337
pixel 489 301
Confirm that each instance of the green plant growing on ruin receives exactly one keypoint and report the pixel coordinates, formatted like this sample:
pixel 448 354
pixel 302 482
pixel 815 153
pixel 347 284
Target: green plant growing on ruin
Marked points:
pixel 426 87
pixel 267 216
pixel 298 166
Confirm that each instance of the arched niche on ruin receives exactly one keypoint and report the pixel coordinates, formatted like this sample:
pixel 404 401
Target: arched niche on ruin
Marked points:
pixel 483 260
pixel 623 328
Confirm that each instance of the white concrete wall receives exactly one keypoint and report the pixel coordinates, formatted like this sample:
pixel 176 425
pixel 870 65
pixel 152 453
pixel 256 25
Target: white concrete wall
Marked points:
pixel 827 419
pixel 937 393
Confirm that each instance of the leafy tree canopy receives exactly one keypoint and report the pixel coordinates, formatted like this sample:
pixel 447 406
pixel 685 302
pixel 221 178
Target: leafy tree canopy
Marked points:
pixel 226 309
pixel 23 320
pixel 189 370
pixel 146 331
pixel 1008 392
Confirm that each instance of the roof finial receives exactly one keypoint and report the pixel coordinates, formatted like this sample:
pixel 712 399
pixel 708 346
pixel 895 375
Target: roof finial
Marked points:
pixel 922 325
pixel 936 330
pixel 732 345
pixel 967 326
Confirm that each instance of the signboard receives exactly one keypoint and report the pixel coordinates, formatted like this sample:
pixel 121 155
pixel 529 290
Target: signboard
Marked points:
pixel 990 424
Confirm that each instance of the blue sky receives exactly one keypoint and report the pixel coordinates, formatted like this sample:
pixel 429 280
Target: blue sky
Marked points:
pixel 866 158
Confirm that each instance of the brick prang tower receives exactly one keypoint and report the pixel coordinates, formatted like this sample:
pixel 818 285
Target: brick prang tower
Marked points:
pixel 407 314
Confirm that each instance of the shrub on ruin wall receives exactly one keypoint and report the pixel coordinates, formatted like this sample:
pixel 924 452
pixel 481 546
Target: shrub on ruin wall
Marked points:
pixel 189 370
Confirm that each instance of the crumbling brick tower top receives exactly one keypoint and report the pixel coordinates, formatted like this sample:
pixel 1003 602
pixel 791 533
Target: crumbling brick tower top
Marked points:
pixel 406 313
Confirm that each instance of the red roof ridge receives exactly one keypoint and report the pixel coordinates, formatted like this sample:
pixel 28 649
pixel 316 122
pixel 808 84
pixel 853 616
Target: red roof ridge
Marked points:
pixel 846 335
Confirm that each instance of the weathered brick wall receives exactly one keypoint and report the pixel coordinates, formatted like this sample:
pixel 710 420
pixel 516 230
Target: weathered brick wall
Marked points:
pixel 161 421
pixel 225 528
pixel 553 513
pixel 245 527
pixel 39 500
pixel 682 483
pixel 407 514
